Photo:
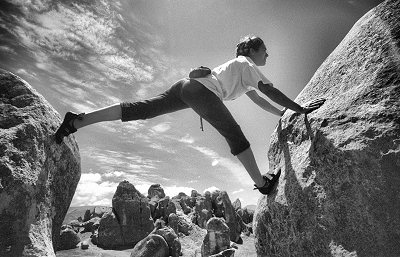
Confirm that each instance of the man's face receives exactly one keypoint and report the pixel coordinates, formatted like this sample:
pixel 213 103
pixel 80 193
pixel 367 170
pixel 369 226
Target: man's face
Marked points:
pixel 259 57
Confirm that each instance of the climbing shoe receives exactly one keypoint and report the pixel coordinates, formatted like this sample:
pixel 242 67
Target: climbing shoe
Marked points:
pixel 269 183
pixel 67 126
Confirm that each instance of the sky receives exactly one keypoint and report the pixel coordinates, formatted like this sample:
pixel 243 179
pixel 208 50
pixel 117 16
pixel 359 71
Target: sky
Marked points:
pixel 86 55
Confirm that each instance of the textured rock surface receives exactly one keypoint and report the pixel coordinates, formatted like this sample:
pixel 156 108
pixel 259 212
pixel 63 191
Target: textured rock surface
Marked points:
pixel 231 218
pixel 68 239
pixel 173 221
pixel 155 190
pixel 38 178
pixel 174 245
pixel 217 238
pixel 339 192
pixel 133 213
pixel 151 246
pixel 109 233
pixel 237 204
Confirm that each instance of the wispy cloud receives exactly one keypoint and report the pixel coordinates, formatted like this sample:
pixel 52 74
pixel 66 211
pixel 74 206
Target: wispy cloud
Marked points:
pixel 161 128
pixel 110 161
pixel 234 167
pixel 105 54
pixel 7 49
pixel 187 139
pixel 238 191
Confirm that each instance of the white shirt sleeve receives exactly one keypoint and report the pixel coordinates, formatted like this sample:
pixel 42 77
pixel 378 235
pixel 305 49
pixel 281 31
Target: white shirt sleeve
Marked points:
pixel 251 75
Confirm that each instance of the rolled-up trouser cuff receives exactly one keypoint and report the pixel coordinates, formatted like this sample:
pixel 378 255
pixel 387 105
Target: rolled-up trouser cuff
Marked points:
pixel 124 111
pixel 238 148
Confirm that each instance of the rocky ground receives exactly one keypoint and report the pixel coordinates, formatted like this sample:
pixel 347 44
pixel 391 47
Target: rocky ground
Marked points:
pixel 191 244
pixel 190 247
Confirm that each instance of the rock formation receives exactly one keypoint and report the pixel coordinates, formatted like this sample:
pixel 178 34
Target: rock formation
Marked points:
pixel 339 191
pixel 133 213
pixel 96 211
pixel 68 239
pixel 151 246
pixel 217 238
pixel 231 218
pixel 38 178
pixel 109 234
pixel 156 190
pixel 237 204
pixel 171 238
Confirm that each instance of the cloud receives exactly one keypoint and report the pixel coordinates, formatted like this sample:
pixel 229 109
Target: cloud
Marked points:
pixel 92 191
pixel 162 148
pixel 238 191
pixel 90 178
pixel 187 139
pixel 32 5
pixel 234 167
pixel 137 168
pixel 115 174
pixel 175 190
pixel 92 37
pixel 125 129
pixel 7 49
pixel 161 128
pixel 211 189
pixel 23 72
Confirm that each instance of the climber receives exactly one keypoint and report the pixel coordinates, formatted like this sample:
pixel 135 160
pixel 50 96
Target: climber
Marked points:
pixel 204 91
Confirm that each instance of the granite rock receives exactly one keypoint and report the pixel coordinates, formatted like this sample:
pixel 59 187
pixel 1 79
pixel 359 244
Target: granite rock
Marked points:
pixel 38 177
pixel 339 191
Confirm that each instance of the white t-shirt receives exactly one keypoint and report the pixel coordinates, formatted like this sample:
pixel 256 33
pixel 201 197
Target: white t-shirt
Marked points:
pixel 234 78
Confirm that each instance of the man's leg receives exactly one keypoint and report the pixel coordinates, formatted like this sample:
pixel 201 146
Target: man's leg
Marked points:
pixel 211 108
pixel 249 162
pixel 109 113
pixel 164 103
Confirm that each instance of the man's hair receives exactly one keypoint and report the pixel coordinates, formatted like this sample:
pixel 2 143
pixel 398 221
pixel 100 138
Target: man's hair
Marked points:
pixel 246 43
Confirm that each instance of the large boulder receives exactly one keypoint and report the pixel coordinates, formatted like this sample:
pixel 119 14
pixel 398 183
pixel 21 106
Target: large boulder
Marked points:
pixel 109 235
pixel 38 177
pixel 231 218
pixel 155 190
pixel 171 238
pixel 69 239
pixel 162 208
pixel 151 246
pixel 339 191
pixel 217 237
pixel 132 211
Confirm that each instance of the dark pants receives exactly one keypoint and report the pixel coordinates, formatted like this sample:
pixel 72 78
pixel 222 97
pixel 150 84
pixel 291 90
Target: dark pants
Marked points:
pixel 190 93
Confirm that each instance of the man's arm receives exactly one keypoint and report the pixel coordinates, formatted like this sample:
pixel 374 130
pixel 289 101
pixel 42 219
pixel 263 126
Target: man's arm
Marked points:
pixel 278 97
pixel 264 104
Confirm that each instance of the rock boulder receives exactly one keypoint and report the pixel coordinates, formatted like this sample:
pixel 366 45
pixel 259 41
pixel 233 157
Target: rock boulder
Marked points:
pixel 69 239
pixel 339 191
pixel 217 238
pixel 155 190
pixel 132 211
pixel 38 177
pixel 151 246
